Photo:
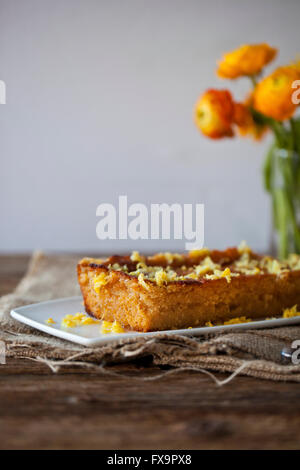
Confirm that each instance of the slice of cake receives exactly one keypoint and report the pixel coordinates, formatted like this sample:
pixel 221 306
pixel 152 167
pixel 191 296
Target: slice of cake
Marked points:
pixel 173 291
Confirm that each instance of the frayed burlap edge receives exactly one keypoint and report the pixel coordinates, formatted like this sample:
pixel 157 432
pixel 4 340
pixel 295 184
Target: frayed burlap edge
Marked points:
pixel 255 353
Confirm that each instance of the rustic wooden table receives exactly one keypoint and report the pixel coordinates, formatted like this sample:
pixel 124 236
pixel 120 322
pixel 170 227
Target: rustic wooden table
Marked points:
pixel 80 409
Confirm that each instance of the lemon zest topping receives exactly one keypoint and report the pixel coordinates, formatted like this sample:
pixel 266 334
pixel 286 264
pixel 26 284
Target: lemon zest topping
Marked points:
pixel 273 267
pixel 237 320
pixel 111 327
pixel 117 327
pixel 171 257
pixel 250 272
pixel 208 262
pixel 190 276
pixel 79 319
pixel 200 270
pixel 244 248
pixel 246 264
pixel 220 274
pixel 294 261
pixel 287 313
pixel 136 257
pixel 232 321
pixel 161 277
pixel 141 280
pixel 199 252
pixel 100 281
pixel 290 312
pixel 106 327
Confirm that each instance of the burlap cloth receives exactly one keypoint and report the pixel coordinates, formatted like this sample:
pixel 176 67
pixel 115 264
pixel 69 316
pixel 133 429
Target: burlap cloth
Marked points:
pixel 255 353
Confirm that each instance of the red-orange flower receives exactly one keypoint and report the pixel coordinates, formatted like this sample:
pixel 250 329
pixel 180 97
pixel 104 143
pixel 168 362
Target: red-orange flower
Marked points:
pixel 214 114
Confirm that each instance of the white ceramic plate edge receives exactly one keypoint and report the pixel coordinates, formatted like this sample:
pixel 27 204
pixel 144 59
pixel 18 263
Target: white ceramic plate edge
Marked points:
pixel 18 315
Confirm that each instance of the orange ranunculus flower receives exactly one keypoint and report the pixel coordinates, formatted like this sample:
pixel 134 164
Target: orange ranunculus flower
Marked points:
pixel 246 60
pixel 273 95
pixel 246 124
pixel 214 114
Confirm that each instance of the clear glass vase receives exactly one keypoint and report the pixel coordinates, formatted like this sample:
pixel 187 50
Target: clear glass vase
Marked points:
pixel 282 180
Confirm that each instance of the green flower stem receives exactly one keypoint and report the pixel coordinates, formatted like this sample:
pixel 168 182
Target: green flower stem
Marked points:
pixel 281 216
pixel 281 173
pixel 253 79
pixel 295 137
pixel 268 167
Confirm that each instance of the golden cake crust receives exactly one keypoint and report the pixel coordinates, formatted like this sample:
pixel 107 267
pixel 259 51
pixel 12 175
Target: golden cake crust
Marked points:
pixel 171 291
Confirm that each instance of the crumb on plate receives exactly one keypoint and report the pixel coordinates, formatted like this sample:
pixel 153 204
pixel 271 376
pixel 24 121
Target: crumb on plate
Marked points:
pixel 79 319
pixel 111 327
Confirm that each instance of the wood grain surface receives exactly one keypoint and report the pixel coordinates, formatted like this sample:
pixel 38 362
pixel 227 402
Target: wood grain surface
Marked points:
pixel 83 410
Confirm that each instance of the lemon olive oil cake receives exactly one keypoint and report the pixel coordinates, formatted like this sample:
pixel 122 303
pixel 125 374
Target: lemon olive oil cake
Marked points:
pixel 173 291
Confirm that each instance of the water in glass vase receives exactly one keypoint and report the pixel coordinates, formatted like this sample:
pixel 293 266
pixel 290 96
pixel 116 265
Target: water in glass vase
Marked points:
pixel 282 180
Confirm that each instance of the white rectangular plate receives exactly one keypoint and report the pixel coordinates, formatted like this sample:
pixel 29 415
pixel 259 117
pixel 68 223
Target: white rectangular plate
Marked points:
pixel 36 315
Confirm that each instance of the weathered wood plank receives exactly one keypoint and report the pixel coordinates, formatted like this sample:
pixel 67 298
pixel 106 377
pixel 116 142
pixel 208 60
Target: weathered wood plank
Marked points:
pixel 83 409
pixel 12 268
pixel 40 410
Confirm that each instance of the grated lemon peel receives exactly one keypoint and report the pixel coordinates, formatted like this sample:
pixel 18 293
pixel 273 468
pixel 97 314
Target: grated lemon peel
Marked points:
pixel 287 313
pixel 246 263
pixel 78 319
pixel 111 327
pixel 290 312
pixel 99 281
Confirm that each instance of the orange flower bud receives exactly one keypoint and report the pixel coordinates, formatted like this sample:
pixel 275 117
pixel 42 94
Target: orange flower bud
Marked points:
pixel 214 113
pixel 247 60
pixel 273 95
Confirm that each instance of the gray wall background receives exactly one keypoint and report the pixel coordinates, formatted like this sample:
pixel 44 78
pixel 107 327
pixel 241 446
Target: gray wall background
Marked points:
pixel 100 98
